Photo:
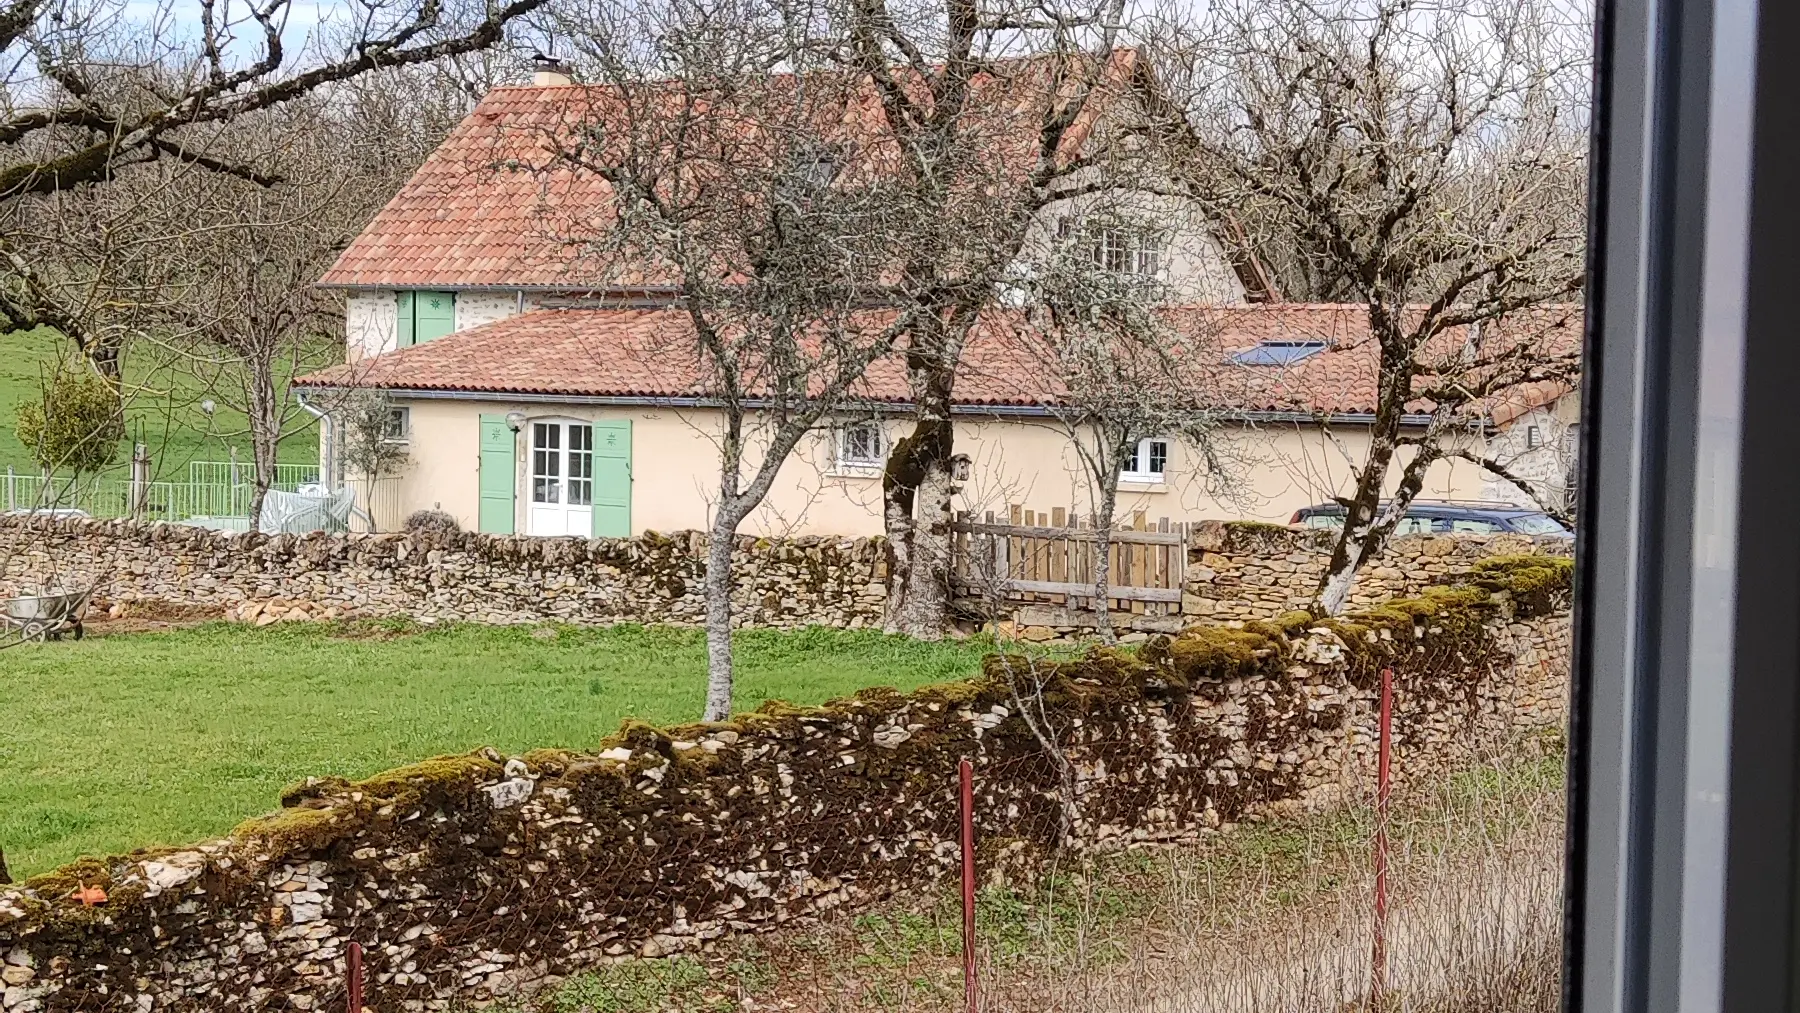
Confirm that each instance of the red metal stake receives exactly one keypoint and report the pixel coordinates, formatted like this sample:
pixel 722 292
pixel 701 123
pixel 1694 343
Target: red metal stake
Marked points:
pixel 354 973
pixel 966 770
pixel 1378 976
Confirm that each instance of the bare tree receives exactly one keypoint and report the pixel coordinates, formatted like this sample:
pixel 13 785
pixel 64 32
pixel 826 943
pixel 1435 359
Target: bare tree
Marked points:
pixel 1427 161
pixel 1127 374
pixel 994 112
pixel 95 88
pixel 741 188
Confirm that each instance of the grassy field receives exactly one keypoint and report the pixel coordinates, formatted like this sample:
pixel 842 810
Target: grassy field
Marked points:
pixel 163 408
pixel 133 740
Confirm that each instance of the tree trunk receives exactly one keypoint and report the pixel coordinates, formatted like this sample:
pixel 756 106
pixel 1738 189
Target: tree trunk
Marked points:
pixel 718 617
pixel 265 426
pixel 1355 548
pixel 916 498
pixel 1103 522
pixel 1360 522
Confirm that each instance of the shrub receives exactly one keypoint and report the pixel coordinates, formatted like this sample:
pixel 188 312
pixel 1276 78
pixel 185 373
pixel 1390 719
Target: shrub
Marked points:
pixel 75 424
pixel 435 522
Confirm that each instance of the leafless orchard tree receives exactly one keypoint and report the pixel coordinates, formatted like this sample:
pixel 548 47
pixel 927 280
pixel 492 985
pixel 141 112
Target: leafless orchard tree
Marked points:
pixel 1427 160
pixel 993 112
pixel 244 291
pixel 220 269
pixel 1126 373
pixel 743 188
pixel 93 89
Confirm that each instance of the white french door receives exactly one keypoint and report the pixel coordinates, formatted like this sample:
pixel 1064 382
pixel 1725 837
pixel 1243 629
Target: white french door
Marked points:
pixel 562 479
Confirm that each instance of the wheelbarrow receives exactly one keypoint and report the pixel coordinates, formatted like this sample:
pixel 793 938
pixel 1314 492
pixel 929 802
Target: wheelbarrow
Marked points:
pixel 43 617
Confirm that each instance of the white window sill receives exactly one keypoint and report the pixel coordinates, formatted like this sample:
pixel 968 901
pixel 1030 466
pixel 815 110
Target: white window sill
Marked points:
pixel 854 471
pixel 1143 483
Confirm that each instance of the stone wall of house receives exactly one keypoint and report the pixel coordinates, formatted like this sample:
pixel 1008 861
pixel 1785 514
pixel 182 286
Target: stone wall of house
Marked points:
pixel 467 877
pixel 1236 571
pixel 454 576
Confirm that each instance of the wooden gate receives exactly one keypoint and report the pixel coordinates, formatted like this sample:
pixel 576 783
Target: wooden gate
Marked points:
pixel 1051 556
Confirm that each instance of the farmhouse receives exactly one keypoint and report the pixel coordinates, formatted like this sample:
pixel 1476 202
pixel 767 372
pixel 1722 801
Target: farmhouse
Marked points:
pixel 535 396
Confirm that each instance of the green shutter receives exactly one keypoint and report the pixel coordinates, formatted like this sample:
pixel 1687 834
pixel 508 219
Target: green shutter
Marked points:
pixel 612 478
pixel 403 308
pixel 498 470
pixel 423 316
pixel 434 315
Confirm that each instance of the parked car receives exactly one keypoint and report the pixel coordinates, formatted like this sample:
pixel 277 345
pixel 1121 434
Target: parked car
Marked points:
pixel 1449 517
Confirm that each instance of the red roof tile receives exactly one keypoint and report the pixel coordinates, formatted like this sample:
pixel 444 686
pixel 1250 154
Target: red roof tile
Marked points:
pixel 494 205
pixel 650 353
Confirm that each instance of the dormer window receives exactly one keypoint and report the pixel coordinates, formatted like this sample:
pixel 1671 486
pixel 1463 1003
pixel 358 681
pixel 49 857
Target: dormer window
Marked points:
pixel 1278 353
pixel 1122 252
pixel 1116 251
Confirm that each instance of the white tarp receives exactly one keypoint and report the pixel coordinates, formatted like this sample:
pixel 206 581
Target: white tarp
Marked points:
pixel 312 508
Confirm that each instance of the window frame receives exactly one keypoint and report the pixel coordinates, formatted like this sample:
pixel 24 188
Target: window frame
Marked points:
pixel 1144 453
pixel 841 461
pixel 404 435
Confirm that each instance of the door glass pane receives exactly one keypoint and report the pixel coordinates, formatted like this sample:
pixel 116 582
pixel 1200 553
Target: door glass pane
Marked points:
pixel 546 462
pixel 581 465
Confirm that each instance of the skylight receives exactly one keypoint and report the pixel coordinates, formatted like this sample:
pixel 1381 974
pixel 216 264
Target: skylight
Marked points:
pixel 1278 353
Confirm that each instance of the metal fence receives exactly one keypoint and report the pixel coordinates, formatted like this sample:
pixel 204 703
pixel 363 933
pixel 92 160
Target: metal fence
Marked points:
pixel 288 477
pixel 216 494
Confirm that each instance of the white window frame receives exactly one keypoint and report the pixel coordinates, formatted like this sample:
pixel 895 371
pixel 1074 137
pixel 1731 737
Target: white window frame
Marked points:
pixel 404 414
pixel 843 463
pixel 1129 253
pixel 1139 475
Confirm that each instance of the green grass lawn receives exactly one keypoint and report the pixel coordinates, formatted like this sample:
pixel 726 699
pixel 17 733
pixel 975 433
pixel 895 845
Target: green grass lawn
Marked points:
pixel 163 407
pixel 132 740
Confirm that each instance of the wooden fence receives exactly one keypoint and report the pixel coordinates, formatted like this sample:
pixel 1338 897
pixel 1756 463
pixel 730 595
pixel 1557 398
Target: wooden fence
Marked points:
pixel 1050 557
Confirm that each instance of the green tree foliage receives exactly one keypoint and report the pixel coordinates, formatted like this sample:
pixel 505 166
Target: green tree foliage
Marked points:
pixel 75 425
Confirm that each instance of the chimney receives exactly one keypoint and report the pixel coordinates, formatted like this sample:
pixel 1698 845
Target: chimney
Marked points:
pixel 549 72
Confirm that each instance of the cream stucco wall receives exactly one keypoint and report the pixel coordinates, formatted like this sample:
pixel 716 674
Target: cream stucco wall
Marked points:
pixel 1030 463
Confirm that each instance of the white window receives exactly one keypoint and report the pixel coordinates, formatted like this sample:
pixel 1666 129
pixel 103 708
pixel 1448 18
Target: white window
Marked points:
pixel 861 445
pixel 1534 438
pixel 1122 252
pixel 1149 462
pixel 399 426
pixel 1149 258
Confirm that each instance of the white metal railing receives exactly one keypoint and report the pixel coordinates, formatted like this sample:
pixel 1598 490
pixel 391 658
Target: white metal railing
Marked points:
pixel 208 495
pixel 288 477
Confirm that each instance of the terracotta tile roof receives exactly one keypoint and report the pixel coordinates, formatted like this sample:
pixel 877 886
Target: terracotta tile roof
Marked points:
pixel 649 353
pixel 493 205
pixel 1342 379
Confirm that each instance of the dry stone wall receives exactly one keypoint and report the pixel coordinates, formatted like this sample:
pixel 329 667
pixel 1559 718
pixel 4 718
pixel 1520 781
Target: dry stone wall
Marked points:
pixel 1236 571
pixel 1246 570
pixel 467 877
pixel 454 576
